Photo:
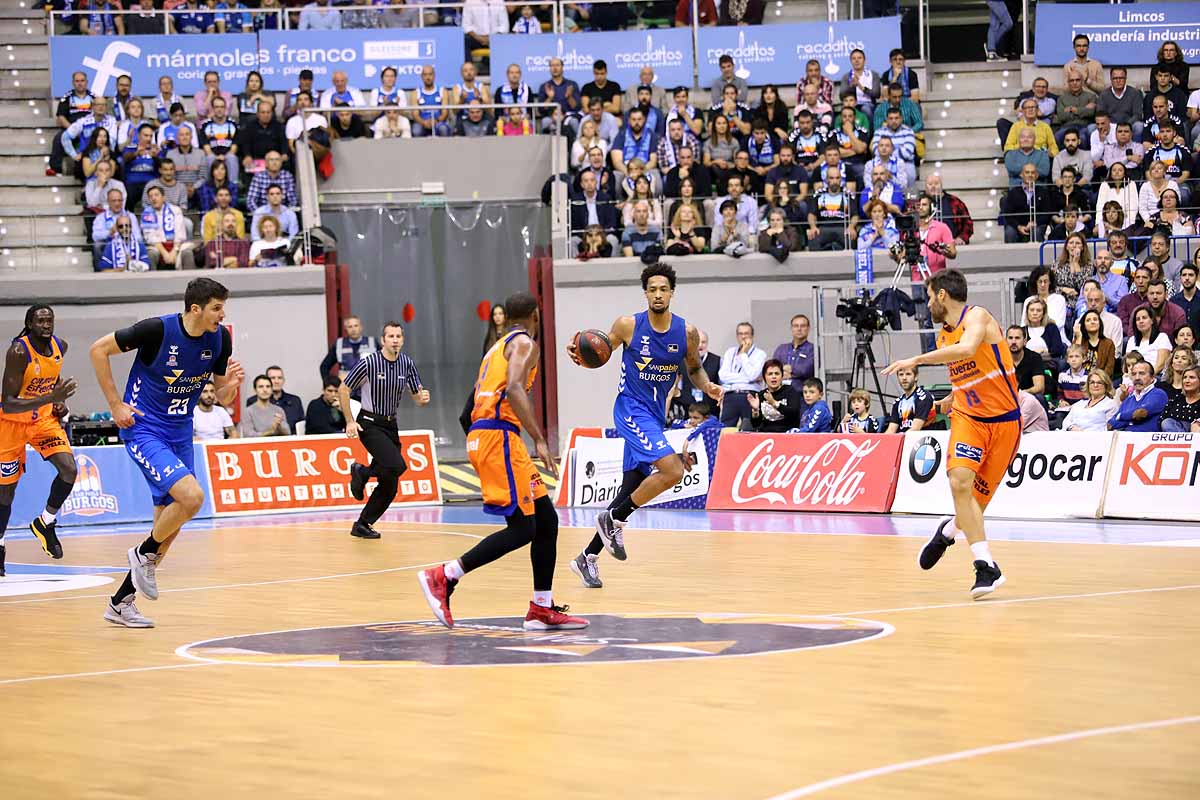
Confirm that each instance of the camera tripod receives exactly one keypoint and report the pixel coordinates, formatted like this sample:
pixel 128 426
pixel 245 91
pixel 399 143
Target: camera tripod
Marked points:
pixel 864 363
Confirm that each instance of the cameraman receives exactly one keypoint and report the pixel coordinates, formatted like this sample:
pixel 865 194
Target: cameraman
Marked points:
pixel 937 245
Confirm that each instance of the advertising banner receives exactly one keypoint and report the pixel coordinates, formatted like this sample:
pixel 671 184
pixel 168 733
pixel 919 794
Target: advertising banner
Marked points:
pixel 304 473
pixel 109 489
pixel 361 54
pixel 1120 34
pixel 596 467
pixel 777 53
pixel 1154 476
pixel 184 57
pixel 1054 476
pixel 805 472
pixel 668 51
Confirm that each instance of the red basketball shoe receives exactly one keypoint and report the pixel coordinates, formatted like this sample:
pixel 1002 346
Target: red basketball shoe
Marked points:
pixel 438 588
pixel 554 618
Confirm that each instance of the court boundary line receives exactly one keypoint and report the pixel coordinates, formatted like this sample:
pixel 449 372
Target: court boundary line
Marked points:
pixel 97 674
pixel 885 630
pixel 988 602
pixel 962 755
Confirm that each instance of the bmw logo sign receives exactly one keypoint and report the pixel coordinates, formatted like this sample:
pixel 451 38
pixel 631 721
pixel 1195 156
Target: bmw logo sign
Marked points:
pixel 925 459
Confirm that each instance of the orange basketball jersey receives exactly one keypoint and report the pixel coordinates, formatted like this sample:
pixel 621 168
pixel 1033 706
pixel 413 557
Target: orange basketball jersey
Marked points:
pixel 985 384
pixel 491 388
pixel 41 374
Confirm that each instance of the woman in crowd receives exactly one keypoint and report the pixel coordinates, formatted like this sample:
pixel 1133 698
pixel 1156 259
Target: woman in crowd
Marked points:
pixel 775 408
pixel 1171 57
pixel 880 230
pixel 1156 274
pixel 246 101
pixel 387 93
pixel 497 325
pixel 779 238
pixel 266 17
pixel 271 248
pixel 1146 340
pixel 391 124
pixel 218 178
pixel 687 197
pixel 1112 220
pixel 1117 189
pixel 1092 412
pixel 135 118
pixel 773 111
pixel 718 154
pixel 594 244
pixel 685 236
pixel 99 148
pixel 1186 337
pixel 1170 216
pixel 1074 267
pixel 1171 380
pixel 165 98
pixel 793 208
pixel 589 137
pixel 1182 414
pixel 1156 183
pixel 1045 338
pixel 1041 284
pixel 1101 351
pixel 642 191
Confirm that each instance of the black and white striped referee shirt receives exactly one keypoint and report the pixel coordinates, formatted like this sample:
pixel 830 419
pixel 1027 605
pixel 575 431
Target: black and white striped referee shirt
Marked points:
pixel 383 381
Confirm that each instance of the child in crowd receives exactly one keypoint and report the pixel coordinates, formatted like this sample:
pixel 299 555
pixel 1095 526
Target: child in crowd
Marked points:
pixel 1130 359
pixel 859 420
pixel 816 418
pixel 697 416
pixel 527 22
pixel 515 124
pixel 1072 383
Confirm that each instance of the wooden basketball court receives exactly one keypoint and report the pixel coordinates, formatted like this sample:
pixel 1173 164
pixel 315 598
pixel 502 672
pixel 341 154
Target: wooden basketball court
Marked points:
pixel 722 665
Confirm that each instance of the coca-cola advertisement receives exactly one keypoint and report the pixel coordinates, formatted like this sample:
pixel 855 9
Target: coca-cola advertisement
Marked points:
pixel 806 472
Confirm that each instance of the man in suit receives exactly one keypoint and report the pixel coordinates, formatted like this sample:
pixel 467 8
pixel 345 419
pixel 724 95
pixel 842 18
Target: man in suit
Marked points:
pixel 864 82
pixel 590 206
pixel 689 394
pixel 1026 209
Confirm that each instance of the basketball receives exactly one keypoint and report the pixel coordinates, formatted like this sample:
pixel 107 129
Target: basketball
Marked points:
pixel 594 348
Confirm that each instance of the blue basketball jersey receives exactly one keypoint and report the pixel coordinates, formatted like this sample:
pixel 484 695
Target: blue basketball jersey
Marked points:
pixel 166 390
pixel 649 366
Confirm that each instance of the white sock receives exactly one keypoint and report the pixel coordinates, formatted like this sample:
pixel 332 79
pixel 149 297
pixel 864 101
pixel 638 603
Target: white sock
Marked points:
pixel 454 570
pixel 48 518
pixel 542 599
pixel 982 553
pixel 952 530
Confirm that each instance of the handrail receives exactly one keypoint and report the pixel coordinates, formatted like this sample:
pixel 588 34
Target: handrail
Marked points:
pixel 1096 243
pixel 280 13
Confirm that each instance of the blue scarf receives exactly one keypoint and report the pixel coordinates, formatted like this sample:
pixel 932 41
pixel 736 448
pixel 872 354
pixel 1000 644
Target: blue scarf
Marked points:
pixel 163 110
pixel 635 148
pixel 763 154
pixel 150 221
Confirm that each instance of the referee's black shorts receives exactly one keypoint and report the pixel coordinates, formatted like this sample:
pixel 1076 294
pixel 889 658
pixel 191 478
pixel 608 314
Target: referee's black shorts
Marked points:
pixel 381 437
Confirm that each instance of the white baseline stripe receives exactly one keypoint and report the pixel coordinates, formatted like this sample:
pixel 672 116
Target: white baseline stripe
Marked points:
pixel 904 766
pixel 9 681
pixel 988 603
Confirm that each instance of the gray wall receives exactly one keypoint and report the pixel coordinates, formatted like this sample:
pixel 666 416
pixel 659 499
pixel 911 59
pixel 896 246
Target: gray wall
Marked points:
pixel 278 317
pixel 490 168
pixel 716 292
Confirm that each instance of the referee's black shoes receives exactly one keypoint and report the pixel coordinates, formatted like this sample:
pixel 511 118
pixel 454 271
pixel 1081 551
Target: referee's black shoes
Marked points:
pixel 364 531
pixel 358 481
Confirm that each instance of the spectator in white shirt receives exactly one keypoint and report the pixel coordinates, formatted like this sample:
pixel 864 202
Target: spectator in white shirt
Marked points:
pixel 1093 411
pixel 392 125
pixel 318 16
pixel 95 191
pixel 105 224
pixel 164 231
pixel 304 119
pixel 211 422
pixel 741 374
pixel 481 19
pixel 341 90
pixel 747 208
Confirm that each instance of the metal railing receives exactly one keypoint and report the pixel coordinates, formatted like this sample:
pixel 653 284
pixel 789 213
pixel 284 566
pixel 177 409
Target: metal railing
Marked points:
pixel 1181 247
pixel 166 15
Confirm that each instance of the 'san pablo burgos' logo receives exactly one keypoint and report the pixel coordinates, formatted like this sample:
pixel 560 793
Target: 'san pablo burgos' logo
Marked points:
pixel 746 52
pixel 830 476
pixel 660 57
pixel 106 68
pixel 88 499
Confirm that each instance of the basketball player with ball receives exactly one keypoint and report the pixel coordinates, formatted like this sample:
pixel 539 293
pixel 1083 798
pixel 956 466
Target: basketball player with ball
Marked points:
pixel 657 344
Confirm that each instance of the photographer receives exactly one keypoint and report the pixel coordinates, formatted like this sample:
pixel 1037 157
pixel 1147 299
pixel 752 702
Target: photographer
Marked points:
pixel 936 245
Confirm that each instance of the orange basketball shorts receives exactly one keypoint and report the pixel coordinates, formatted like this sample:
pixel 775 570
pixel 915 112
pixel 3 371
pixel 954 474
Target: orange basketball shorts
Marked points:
pixel 985 448
pixel 44 435
pixel 507 475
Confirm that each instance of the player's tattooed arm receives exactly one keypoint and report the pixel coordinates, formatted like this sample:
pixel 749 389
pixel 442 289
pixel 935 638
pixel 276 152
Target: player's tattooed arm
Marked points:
pixel 695 367
pixel 14 372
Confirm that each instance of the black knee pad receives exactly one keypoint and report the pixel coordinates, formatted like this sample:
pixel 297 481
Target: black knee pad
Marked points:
pixel 522 526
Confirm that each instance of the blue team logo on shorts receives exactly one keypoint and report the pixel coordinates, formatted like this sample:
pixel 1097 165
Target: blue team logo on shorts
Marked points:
pixel 968 452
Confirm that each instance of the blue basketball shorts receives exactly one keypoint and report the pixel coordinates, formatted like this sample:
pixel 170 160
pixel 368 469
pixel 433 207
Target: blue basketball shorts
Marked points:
pixel 163 462
pixel 645 438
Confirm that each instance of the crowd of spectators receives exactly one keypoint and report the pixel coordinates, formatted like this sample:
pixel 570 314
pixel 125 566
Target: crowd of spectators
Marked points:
pixel 677 172
pixel 1096 155
pixel 169 190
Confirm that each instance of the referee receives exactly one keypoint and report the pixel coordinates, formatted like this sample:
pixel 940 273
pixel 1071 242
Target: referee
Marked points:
pixel 382 376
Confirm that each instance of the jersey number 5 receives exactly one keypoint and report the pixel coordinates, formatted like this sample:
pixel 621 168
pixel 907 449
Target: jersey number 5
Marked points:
pixel 178 407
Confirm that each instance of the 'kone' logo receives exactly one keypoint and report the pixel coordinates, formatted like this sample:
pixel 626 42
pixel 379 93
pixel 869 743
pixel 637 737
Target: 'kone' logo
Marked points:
pixel 88 499
pixel 660 57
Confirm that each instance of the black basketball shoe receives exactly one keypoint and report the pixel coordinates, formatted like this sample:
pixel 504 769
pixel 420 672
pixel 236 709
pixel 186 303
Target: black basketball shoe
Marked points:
pixel 47 537
pixel 358 481
pixel 364 531
pixel 1 561
pixel 987 579
pixel 935 548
